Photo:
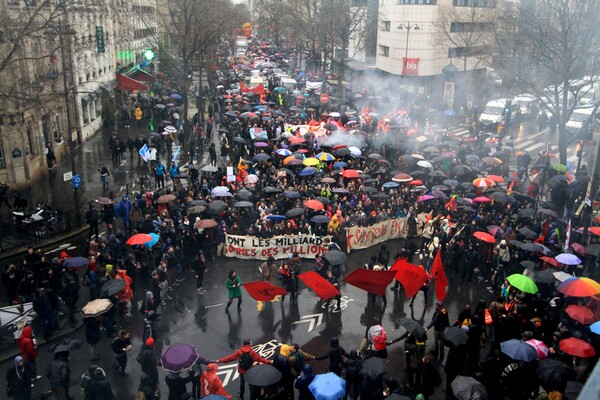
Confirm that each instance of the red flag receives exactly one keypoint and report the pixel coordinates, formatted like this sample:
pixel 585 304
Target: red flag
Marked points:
pixel 372 281
pixel 320 285
pixel 412 277
pixel 438 273
pixel 263 291
pixel 258 89
pixel 451 204
pixel 510 187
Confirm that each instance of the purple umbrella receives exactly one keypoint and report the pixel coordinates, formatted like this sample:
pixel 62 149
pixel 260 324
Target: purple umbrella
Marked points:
pixel 261 144
pixel 340 190
pixel 568 259
pixel 425 198
pixel 179 357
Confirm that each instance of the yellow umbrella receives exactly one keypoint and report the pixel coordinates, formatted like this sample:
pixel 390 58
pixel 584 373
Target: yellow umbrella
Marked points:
pixel 96 307
pixel 310 162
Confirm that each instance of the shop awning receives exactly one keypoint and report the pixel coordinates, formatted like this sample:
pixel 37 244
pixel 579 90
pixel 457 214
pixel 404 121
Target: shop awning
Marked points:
pixel 140 75
pixel 127 83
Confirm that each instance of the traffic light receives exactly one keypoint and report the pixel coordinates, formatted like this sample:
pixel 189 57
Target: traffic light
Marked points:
pixel 149 54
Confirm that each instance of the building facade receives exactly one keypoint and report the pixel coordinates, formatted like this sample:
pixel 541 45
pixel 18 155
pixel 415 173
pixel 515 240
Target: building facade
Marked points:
pixel 92 40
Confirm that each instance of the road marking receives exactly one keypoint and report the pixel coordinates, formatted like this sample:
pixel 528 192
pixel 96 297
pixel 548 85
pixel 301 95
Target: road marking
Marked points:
pixel 314 320
pixel 214 305
pixel 535 146
pixel 344 301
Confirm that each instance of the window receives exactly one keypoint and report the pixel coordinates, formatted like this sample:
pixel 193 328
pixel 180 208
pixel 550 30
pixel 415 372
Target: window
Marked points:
pixel 475 3
pixel 470 27
pixel 2 161
pixel 85 112
pixel 386 26
pixel 384 51
pixel 428 2
pixel 460 52
pixel 31 143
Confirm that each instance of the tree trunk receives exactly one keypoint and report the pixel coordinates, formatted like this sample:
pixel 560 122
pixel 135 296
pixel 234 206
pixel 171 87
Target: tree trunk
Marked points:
pixel 563 142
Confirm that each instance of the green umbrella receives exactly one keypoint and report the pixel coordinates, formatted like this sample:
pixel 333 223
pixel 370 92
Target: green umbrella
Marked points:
pixel 560 167
pixel 523 283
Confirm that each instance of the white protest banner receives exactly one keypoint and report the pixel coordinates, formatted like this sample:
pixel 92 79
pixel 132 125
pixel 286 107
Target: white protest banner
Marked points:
pixel 363 237
pixel 279 247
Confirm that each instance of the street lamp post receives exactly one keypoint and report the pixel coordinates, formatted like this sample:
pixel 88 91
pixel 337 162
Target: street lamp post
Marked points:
pixel 408 26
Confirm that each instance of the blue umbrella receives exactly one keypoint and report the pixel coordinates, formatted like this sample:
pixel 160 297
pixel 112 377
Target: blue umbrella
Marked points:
pixel 275 217
pixel 307 171
pixel 291 194
pixel 154 240
pixel 595 327
pixel 449 113
pixel 519 350
pixel 75 262
pixel 320 219
pixel 390 185
pixel 568 259
pixel 176 96
pixel 280 89
pixel 328 387
pixel 339 165
pixel 261 157
pixel 283 152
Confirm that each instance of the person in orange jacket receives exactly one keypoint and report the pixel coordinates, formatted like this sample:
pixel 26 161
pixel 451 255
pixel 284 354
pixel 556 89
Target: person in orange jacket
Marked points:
pixel 210 382
pixel 247 357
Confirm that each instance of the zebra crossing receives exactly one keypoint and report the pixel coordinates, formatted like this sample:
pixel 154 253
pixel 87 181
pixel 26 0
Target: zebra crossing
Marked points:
pixel 533 143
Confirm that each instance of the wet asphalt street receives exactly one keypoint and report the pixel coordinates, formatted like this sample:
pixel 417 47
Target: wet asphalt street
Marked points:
pixel 200 320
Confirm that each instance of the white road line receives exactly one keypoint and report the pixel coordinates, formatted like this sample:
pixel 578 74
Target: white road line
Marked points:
pixel 535 146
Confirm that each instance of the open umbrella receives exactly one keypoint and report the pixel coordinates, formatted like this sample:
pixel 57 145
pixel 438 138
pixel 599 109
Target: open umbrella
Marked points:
pixel 467 388
pixel 350 173
pixel 96 307
pixel 166 198
pixel 262 375
pixel 568 259
pixel 104 201
pixel 454 337
pixel 75 262
pixel 562 276
pixel 595 327
pixel 216 206
pixel 579 248
pixel 579 287
pixel 328 387
pixel 139 238
pixel 414 328
pixel 485 237
pixel 209 168
pixel 523 283
pixel 577 347
pixel 402 177
pixel 540 347
pixel 528 233
pixel 581 314
pixel 205 223
pixel 276 217
pixel 154 240
pixel 294 212
pixel 112 287
pixel 518 350
pixel 320 219
pixel 292 194
pixel 243 204
pixel 179 357
pixel 335 257
pixel 554 374
pixel 314 205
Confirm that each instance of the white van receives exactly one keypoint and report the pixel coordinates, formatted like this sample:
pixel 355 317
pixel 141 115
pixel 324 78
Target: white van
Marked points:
pixel 492 113
pixel 289 83
pixel 525 102
pixel 579 120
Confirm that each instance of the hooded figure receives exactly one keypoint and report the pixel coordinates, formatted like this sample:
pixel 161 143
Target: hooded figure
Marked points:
pixel 176 385
pixel 149 326
pixel 210 382
pixel 99 388
pixel 147 360
pixel 123 209
pixel 304 393
pixel 147 387
pixel 18 380
pixel 334 354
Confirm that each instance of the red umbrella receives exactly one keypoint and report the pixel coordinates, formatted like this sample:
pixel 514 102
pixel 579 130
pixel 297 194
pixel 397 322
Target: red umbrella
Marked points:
pixel 551 261
pixel 579 287
pixel 402 177
pixel 595 230
pixel 495 178
pixel 139 238
pixel 350 173
pixel 581 314
pixel 314 204
pixel 339 146
pixel 482 199
pixel 577 347
pixel 415 182
pixel 579 249
pixel 205 223
pixel 486 237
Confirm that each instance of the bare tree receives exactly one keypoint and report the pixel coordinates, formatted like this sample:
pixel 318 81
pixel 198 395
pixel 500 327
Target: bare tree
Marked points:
pixel 550 48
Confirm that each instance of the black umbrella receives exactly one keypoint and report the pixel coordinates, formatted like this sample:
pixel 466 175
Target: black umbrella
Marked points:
pixel 381 196
pixel 415 328
pixel 271 189
pixel 292 194
pixel 198 203
pixel 523 197
pixel 544 276
pixel 554 374
pixel 320 219
pixel 529 264
pixel 369 189
pixel 112 287
pixel 243 204
pixel 67 344
pixel 454 337
pixel 528 233
pixel 335 257
pixel 515 243
pixel 547 211
pixel 244 194
pixel 216 206
pixel 572 390
pixel 75 262
pixel 533 247
pixel 344 151
pixel 527 212
pixel 238 139
pixel 262 375
pixel 324 200
pixel 593 249
pixel 467 388
pixel 501 197
pixel 460 170
pixel 294 212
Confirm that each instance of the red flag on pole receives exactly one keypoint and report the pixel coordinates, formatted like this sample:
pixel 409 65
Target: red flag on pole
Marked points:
pixel 372 281
pixel 319 285
pixel 412 277
pixel 438 273
pixel 263 291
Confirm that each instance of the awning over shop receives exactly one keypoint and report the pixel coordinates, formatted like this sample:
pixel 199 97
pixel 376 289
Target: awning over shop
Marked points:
pixel 140 75
pixel 127 83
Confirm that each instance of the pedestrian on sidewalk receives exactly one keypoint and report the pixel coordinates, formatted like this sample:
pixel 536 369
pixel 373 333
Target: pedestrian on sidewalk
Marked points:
pixel 234 290
pixel 159 175
pixel 59 375
pixel 70 296
pixel 92 336
pixel 109 217
pixel 120 346
pixel 212 151
pixel 29 351
pixel 18 380
pixel 200 267
pixel 147 360
pixel 92 217
pixel 104 174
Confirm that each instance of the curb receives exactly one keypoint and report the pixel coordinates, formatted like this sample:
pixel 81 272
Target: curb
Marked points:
pixel 65 332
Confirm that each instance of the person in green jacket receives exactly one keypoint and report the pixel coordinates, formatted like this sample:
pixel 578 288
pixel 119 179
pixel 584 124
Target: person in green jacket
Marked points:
pixel 235 291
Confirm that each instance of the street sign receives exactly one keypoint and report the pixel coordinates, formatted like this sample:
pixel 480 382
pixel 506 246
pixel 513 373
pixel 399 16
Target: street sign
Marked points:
pixel 76 181
pixel 67 176
pixel 100 39
pixel 324 98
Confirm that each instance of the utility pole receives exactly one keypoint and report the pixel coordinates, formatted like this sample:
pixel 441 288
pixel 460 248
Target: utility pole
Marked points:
pixel 408 26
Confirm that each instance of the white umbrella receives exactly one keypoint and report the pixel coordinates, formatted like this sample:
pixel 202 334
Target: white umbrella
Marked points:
pixel 251 179
pixel 170 129
pixel 335 114
pixel 417 156
pixel 176 115
pixel 562 276
pixel 424 164
pixel 421 139
pixel 355 150
pixel 220 189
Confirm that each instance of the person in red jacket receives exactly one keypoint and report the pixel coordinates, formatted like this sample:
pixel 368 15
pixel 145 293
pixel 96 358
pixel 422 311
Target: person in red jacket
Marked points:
pixel 210 382
pixel 247 357
pixel 29 350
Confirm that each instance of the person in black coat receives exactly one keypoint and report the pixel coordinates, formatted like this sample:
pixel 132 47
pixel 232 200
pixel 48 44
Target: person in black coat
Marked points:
pixel 18 380
pixel 120 346
pixel 99 388
pixel 177 384
pixel 147 387
pixel 92 336
pixel 335 355
pixel 147 360
pixel 70 296
pixel 303 381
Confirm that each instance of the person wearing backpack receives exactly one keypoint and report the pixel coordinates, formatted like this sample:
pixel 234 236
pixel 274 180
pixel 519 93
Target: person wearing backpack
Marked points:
pixel 246 358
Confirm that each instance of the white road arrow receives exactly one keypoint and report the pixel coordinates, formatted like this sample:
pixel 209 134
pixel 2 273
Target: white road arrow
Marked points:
pixel 228 373
pixel 314 320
